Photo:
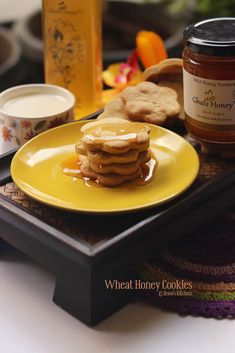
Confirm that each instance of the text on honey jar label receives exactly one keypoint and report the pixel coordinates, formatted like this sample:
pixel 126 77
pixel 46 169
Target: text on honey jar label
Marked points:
pixel 209 101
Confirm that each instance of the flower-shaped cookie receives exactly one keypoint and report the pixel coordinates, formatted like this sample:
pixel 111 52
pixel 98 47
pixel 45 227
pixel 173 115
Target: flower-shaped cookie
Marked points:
pixel 150 103
pixel 115 107
pixel 115 136
pixel 124 168
pixel 168 73
pixel 110 180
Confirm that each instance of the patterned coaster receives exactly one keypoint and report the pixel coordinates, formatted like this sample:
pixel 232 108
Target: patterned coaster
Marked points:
pixel 196 276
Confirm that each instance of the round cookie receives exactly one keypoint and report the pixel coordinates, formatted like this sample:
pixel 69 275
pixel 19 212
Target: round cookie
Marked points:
pixel 107 158
pixel 110 180
pixel 168 70
pixel 115 136
pixel 121 169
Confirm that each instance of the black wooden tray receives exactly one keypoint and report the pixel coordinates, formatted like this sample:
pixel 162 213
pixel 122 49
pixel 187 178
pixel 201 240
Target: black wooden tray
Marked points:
pixel 85 250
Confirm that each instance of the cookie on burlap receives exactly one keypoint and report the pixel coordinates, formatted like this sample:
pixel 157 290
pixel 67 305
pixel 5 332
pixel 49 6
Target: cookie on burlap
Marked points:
pixel 109 180
pixel 168 73
pixel 121 169
pixel 150 103
pixel 115 136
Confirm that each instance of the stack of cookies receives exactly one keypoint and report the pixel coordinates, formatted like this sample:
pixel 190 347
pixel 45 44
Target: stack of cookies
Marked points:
pixel 113 150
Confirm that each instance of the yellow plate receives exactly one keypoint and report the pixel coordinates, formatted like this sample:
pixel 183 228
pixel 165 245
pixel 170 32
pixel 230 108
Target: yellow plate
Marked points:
pixel 36 169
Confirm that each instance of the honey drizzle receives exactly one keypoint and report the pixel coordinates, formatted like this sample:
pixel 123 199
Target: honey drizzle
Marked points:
pixel 147 172
pixel 103 131
pixel 71 167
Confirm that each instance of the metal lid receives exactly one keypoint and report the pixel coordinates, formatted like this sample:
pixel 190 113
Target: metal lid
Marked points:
pixel 214 36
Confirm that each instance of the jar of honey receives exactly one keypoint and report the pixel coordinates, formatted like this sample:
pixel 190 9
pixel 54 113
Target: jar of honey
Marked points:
pixel 209 84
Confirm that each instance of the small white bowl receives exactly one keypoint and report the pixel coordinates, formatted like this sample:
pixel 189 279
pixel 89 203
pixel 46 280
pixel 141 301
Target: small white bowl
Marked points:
pixel 27 110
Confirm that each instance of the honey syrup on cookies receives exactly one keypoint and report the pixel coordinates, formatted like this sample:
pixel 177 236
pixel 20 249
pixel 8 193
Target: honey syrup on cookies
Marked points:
pixel 71 168
pixel 148 171
pixel 103 131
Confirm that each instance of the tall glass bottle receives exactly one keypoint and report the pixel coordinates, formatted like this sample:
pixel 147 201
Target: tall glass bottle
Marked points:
pixel 73 50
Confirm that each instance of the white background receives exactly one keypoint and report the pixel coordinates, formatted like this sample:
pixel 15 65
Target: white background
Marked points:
pixel 31 323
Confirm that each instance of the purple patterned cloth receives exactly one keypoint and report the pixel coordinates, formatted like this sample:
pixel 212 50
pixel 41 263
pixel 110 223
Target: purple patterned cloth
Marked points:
pixel 206 260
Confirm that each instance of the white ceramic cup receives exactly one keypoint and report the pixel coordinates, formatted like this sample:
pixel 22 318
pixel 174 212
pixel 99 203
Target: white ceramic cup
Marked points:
pixel 27 110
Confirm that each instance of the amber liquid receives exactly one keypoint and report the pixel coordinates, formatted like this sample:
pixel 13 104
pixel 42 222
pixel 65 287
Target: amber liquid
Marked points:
pixel 73 55
pixel 215 139
pixel 71 168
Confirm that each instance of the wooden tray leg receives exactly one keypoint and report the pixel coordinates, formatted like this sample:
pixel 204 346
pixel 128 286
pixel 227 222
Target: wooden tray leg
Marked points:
pixel 90 306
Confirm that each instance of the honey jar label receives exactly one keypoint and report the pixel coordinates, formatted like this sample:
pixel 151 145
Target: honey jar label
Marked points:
pixel 209 101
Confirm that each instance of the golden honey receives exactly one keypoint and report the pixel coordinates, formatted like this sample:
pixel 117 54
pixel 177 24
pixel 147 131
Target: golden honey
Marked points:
pixel 117 129
pixel 147 173
pixel 209 84
pixel 72 50
pixel 71 168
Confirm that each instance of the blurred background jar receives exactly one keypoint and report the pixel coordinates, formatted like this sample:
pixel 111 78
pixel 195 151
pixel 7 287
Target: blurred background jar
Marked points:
pixel 121 21
pixel 73 50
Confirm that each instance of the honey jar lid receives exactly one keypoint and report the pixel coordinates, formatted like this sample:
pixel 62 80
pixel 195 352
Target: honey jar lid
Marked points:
pixel 215 37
